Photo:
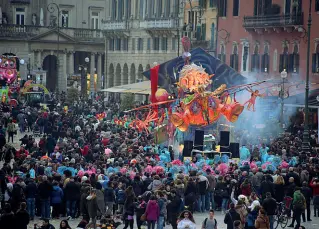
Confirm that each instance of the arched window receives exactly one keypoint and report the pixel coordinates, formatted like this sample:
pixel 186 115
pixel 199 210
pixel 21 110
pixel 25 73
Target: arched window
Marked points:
pixel 255 60
pixel 265 60
pixel 315 60
pixel 234 58
pixel 294 60
pixel 284 59
pixel 222 55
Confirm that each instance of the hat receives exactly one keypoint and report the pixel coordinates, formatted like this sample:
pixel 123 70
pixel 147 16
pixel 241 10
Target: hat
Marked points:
pixel 84 178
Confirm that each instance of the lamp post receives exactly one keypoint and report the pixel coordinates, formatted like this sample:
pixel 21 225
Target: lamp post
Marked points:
pixel 83 69
pixel 283 75
pixel 305 139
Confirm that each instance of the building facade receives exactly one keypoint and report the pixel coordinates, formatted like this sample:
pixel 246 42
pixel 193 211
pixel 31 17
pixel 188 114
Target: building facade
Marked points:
pixel 121 38
pixel 139 33
pixel 269 37
pixel 29 30
pixel 200 20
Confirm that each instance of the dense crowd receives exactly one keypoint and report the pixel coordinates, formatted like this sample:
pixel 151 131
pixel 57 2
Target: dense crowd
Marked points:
pixel 69 174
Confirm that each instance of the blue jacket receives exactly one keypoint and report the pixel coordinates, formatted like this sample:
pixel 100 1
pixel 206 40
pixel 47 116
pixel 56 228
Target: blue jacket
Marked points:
pixel 56 195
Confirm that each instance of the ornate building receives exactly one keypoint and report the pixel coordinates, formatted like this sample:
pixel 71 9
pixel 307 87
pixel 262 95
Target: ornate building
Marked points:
pixel 121 38
pixel 200 23
pixel 139 33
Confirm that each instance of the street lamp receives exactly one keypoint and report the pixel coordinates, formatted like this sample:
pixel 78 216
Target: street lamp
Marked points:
pixel 305 139
pixel 22 62
pixel 83 69
pixel 283 75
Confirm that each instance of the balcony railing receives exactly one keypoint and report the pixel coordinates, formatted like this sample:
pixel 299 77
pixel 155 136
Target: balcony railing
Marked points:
pixel 264 21
pixel 161 23
pixel 29 31
pixel 200 44
pixel 20 1
pixel 114 25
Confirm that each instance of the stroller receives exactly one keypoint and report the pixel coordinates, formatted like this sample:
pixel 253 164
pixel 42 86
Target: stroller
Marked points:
pixel 36 130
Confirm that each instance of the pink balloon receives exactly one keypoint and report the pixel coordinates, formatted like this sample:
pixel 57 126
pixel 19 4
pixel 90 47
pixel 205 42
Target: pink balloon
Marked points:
pixel 107 151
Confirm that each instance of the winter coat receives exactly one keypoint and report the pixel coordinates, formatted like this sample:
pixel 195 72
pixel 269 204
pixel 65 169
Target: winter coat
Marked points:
pixel 279 192
pixel 242 211
pixel 262 222
pixel 202 185
pixel 92 206
pixel 120 196
pixel 245 189
pixel 7 221
pixel 31 190
pixel 180 190
pixel 251 218
pixel 290 190
pixel 100 201
pixel 109 195
pixel 315 188
pixel 140 209
pixel 299 201
pixel 56 195
pixel 72 191
pixel 22 219
pixel 137 187
pixel 270 206
pixel 152 211
pixel 162 204
pixel 230 217
pixel 307 193
pixel 155 185
pixel 45 189
pixel 267 186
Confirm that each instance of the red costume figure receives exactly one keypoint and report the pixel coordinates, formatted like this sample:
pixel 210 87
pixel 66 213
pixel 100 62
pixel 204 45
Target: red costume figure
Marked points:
pixel 251 102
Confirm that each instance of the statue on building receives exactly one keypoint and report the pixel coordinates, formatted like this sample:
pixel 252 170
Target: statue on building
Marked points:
pixel 34 19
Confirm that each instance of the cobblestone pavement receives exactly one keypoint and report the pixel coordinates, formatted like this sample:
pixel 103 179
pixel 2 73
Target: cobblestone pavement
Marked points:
pixel 199 218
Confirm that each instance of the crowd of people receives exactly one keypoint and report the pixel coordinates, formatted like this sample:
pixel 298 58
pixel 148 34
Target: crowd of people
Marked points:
pixel 95 170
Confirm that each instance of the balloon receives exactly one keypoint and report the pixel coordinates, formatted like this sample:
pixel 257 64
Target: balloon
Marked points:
pixel 107 151
pixel 161 95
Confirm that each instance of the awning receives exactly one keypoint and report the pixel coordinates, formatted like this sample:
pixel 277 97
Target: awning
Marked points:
pixel 143 88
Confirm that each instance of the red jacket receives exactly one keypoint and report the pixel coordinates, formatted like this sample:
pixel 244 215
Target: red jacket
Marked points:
pixel 315 188
pixel 85 150
pixel 19 153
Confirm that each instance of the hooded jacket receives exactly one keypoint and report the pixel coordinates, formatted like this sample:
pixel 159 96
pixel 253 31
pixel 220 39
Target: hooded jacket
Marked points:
pixel 152 211
pixel 56 195
pixel 155 185
pixel 262 222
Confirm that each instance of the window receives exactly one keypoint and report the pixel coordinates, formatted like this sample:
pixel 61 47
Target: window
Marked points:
pixel 159 8
pixel 148 43
pixel 141 10
pixel 167 10
pixel 317 6
pixel 65 18
pixel 20 16
pixel 315 60
pixel 164 44
pixel 128 9
pixel 293 65
pixel 125 44
pixel 174 43
pixel 140 44
pixel 156 44
pixel 222 8
pixel 235 7
pixel 212 36
pixel 95 20
pixel 111 44
pixel 203 37
pixel 255 60
pixel 118 44
pixel 222 55
pixel 114 10
pixel 212 3
pixel 234 58
pixel 133 44
pixel 261 7
pixel 202 3
pixel 283 60
pixel 245 58
pixel 265 60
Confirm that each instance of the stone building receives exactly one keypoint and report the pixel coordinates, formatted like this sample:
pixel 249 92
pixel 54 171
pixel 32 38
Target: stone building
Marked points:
pixel 200 23
pixel 121 38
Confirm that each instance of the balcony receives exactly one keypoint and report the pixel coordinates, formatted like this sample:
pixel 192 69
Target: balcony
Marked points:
pixel 114 25
pixel 20 1
pixel 25 32
pixel 200 44
pixel 158 24
pixel 264 22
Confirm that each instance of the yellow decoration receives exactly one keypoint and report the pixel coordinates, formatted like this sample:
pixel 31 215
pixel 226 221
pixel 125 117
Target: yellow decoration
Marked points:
pixel 26 89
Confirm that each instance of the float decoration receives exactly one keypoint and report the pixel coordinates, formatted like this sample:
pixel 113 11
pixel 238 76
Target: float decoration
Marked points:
pixel 8 69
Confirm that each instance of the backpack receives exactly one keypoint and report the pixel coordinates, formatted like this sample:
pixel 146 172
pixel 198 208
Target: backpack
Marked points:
pixel 205 221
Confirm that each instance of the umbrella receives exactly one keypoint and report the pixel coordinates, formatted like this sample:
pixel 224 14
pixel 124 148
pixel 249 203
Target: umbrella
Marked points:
pixel 0 16
pixel 41 17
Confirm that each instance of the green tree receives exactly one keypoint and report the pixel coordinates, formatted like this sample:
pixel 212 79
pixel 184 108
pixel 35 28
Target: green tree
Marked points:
pixel 127 102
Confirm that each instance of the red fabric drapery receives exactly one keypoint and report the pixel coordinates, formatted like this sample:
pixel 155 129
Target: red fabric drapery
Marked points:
pixel 154 82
